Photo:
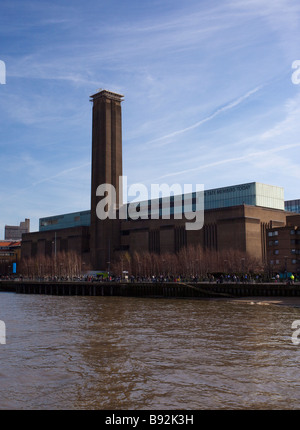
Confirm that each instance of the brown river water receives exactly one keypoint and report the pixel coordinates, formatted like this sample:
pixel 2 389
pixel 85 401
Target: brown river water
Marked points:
pixel 148 354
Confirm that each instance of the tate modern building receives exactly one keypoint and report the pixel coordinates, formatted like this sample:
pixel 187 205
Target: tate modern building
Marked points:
pixel 234 217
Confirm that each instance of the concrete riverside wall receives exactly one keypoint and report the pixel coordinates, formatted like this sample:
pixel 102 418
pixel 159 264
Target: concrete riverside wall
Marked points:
pixel 157 289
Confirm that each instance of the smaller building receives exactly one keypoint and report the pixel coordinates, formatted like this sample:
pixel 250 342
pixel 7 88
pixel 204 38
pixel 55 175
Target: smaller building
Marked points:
pixel 283 247
pixel 10 254
pixel 14 232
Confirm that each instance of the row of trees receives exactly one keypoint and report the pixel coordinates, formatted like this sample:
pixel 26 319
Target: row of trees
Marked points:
pixel 189 262
pixel 62 265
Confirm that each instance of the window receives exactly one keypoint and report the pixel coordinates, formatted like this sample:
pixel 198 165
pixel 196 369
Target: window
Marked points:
pixel 276 251
pixel 292 231
pixel 273 233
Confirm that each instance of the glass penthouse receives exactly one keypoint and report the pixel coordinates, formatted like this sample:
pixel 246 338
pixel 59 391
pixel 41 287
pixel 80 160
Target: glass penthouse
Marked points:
pixel 252 194
pixel 292 206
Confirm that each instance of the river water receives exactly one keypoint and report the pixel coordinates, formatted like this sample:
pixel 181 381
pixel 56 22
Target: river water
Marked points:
pixel 152 354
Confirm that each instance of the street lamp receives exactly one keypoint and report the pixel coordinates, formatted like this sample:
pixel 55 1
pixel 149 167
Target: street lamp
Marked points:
pixel 285 265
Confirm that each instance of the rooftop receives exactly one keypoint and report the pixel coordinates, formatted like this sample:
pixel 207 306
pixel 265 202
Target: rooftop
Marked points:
pixel 107 94
pixel 9 243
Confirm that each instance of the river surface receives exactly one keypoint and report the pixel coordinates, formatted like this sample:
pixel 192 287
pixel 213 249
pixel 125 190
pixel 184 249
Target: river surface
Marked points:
pixel 132 353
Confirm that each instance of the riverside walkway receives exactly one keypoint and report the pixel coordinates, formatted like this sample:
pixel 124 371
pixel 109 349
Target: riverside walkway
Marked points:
pixel 152 289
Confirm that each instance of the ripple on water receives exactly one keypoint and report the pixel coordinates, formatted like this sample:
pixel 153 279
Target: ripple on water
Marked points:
pixel 132 353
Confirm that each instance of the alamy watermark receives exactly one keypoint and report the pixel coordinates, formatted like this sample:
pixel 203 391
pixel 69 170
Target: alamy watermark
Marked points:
pixel 179 203
pixel 296 333
pixel 2 72
pixel 296 74
pixel 2 333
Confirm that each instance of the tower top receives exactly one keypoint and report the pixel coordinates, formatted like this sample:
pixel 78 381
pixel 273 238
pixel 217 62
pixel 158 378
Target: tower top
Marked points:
pixel 106 94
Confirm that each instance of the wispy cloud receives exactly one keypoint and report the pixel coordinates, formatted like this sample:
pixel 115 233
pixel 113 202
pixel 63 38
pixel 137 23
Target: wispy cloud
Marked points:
pixel 231 105
pixel 62 173
pixel 48 179
pixel 245 157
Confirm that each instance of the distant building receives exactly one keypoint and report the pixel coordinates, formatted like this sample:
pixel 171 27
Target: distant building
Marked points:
pixel 10 253
pixel 283 247
pixel 15 232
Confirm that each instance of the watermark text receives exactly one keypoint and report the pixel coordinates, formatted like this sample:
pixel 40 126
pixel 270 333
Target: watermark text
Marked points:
pixel 296 74
pixel 2 73
pixel 2 333
pixel 296 333
pixel 180 203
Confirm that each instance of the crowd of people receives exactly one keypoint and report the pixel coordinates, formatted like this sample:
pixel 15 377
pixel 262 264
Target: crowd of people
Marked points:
pixel 218 278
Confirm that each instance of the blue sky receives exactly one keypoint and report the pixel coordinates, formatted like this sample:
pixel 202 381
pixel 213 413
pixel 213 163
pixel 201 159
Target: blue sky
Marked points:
pixel 209 97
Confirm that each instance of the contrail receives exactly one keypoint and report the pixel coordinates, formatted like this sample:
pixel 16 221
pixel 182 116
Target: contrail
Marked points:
pixel 47 179
pixel 63 172
pixel 234 159
pixel 225 108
